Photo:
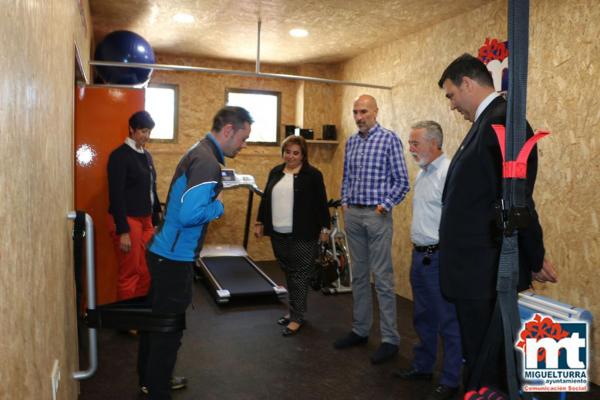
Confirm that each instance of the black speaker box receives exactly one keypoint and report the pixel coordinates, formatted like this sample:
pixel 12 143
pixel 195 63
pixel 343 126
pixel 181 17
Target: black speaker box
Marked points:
pixel 329 132
pixel 289 130
pixel 307 134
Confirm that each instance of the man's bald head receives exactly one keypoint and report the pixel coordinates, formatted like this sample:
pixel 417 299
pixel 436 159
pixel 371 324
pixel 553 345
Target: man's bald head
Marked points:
pixel 366 98
pixel 365 113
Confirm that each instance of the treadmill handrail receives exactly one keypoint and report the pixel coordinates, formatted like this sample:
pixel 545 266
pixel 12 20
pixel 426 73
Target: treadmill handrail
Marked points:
pixel 252 187
pixel 209 273
pixel 261 272
pixel 91 296
pixel 248 182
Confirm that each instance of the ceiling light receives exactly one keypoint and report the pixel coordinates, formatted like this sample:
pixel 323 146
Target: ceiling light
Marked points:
pixel 299 32
pixel 184 18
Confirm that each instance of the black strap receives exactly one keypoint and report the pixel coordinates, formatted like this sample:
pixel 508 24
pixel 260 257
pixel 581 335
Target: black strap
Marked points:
pixel 514 188
pixel 508 278
pixel 134 313
pixel 516 124
pixel 123 315
pixel 506 312
pixel 78 239
pixel 78 248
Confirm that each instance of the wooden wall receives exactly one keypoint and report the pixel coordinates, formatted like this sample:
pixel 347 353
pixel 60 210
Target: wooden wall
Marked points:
pixel 37 300
pixel 36 160
pixel 201 96
pixel 563 98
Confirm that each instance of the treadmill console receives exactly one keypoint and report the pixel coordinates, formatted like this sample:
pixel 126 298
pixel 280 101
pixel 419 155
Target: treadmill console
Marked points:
pixel 228 175
pixel 231 180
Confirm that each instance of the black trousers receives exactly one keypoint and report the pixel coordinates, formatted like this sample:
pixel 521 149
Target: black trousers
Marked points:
pixel 296 258
pixel 170 292
pixel 474 318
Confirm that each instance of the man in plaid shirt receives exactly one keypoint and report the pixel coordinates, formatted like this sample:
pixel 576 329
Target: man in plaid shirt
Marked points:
pixel 375 180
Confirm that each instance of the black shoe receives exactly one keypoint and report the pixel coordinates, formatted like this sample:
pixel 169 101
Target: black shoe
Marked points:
pixel 385 352
pixel 442 392
pixel 177 382
pixel 286 331
pixel 412 374
pixel 283 321
pixel 350 340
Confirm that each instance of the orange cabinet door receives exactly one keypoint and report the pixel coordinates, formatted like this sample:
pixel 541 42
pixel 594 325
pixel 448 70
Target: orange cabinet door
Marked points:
pixel 101 125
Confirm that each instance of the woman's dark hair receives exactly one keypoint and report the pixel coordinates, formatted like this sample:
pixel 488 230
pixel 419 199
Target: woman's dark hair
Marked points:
pixel 141 120
pixel 469 66
pixel 300 141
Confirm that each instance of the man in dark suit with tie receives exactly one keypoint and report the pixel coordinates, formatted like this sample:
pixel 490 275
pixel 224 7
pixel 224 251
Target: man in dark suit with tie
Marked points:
pixel 470 239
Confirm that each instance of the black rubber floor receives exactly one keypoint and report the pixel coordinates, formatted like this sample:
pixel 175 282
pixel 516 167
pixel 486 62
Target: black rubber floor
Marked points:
pixel 236 351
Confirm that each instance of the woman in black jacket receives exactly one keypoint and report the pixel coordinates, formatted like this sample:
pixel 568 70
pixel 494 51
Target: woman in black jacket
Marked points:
pixel 294 213
pixel 134 206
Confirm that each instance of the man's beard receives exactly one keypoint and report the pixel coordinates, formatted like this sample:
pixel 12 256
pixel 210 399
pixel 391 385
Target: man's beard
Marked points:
pixel 421 161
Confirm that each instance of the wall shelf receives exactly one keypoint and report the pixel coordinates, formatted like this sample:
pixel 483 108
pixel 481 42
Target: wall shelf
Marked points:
pixel 322 141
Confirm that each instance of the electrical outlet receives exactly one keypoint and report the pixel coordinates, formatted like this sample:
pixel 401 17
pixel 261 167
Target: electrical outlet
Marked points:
pixel 55 379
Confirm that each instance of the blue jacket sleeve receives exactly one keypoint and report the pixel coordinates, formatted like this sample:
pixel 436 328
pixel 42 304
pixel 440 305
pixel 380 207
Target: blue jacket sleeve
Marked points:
pixel 199 205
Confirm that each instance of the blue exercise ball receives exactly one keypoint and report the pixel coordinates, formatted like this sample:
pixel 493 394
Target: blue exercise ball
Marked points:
pixel 127 47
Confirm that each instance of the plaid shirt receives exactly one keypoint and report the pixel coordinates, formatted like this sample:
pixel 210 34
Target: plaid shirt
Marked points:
pixel 374 169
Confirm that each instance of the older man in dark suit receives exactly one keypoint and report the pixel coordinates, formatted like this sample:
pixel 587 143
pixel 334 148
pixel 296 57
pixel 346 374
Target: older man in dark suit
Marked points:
pixel 470 240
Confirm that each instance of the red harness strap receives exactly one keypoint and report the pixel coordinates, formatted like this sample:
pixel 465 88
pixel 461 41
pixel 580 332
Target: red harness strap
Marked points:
pixel 518 168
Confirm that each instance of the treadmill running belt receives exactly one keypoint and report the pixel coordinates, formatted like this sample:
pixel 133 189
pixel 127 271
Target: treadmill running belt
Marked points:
pixel 237 275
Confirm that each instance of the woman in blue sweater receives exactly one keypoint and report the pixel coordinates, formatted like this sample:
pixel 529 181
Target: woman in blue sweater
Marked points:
pixel 293 212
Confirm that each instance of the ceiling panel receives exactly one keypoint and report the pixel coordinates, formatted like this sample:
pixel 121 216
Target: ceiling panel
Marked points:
pixel 227 29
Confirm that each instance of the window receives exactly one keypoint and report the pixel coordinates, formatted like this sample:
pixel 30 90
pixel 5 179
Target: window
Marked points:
pixel 264 107
pixel 162 104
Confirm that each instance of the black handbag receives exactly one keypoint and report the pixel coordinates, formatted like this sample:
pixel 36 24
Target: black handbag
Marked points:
pixel 325 269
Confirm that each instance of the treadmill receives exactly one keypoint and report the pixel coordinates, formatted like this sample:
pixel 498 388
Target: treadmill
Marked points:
pixel 228 270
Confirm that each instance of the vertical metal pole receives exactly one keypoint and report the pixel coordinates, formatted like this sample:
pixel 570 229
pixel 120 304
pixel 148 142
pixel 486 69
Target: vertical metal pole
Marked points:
pixel 91 296
pixel 248 217
pixel 258 48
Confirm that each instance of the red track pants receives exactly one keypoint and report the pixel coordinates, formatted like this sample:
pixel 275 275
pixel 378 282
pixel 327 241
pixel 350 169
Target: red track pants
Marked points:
pixel 134 278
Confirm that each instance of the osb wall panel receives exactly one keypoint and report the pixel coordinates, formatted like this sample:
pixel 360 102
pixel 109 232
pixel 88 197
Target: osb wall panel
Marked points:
pixel 413 71
pixel 563 88
pixel 200 96
pixel 37 301
pixel 320 101
pixel 563 98
pixel 320 106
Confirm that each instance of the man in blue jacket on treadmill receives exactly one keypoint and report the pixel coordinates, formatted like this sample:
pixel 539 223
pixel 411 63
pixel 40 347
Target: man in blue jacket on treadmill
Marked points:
pixel 193 201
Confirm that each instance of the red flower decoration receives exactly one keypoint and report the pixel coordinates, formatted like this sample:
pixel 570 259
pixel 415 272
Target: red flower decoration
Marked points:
pixel 539 328
pixel 493 50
